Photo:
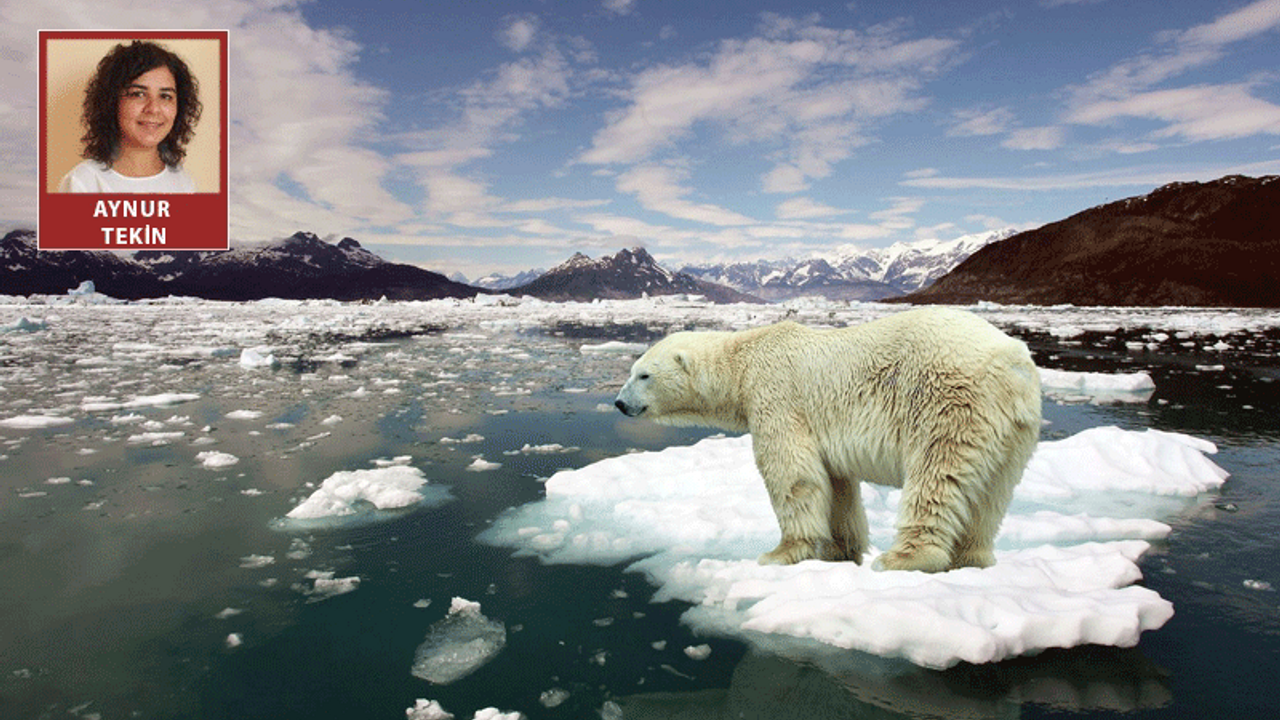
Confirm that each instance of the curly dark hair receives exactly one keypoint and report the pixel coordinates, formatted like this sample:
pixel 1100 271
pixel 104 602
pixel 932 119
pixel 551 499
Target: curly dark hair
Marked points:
pixel 115 71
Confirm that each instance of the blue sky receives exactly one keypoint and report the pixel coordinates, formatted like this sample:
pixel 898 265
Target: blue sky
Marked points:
pixel 476 137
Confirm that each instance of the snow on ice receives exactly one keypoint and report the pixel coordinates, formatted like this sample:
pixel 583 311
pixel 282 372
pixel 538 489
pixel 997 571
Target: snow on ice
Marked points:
pixel 1066 556
pixel 1098 388
pixel 348 494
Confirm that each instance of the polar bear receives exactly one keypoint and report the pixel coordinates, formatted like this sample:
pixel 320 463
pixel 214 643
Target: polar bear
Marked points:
pixel 935 401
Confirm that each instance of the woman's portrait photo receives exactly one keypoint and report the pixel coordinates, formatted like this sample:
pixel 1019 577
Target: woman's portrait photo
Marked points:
pixel 136 126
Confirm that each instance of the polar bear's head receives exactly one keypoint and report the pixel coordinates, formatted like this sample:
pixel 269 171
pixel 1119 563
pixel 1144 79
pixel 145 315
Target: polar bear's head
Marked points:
pixel 663 383
pixel 685 379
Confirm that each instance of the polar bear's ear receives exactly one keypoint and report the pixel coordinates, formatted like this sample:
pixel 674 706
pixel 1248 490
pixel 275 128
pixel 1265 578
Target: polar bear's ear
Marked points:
pixel 685 361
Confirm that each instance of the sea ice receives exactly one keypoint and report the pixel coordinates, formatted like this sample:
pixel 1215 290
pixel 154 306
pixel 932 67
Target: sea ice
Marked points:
pixel 1098 388
pixel 613 346
pixel 353 492
pixel 424 709
pixel 35 422
pixel 251 358
pixel 324 585
pixel 479 464
pixel 1066 556
pixel 458 644
pixel 216 460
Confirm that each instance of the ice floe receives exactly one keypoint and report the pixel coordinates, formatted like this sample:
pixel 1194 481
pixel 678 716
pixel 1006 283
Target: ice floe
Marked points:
pixel 35 422
pixel 1099 388
pixel 458 644
pixel 212 460
pixel 351 494
pixel 699 515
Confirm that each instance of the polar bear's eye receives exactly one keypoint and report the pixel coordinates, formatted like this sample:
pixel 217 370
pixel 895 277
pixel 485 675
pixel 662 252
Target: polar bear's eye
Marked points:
pixel 644 376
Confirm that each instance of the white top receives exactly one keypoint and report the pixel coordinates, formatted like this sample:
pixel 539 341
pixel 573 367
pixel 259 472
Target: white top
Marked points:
pixel 91 176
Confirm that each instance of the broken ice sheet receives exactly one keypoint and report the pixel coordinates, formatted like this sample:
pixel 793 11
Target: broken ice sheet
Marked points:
pixel 458 644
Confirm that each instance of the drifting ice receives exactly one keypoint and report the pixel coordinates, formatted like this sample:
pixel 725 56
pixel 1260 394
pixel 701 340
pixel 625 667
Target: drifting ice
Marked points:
pixel 1066 556
pixel 458 644
pixel 1099 388
pixel 347 494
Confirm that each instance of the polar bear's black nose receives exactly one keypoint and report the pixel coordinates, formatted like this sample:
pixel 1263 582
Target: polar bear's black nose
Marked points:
pixel 621 406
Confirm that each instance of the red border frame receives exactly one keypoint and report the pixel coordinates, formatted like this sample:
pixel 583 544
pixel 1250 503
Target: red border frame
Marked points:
pixel 197 221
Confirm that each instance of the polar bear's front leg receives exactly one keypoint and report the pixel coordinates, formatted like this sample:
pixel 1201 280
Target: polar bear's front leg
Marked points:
pixel 802 499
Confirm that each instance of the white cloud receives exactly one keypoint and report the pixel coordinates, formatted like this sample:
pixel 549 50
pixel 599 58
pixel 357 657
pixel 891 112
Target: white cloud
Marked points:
pixel 980 121
pixel 1149 177
pixel 1037 138
pixel 1202 112
pixel 518 32
pixel 659 188
pixel 896 216
pixel 550 204
pixel 803 208
pixel 620 7
pixel 806 93
pixel 488 112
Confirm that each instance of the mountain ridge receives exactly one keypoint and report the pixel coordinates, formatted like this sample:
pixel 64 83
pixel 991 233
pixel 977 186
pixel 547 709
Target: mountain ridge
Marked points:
pixel 1209 244
pixel 630 273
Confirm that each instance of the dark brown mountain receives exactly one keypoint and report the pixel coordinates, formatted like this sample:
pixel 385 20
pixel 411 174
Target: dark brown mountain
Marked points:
pixel 1214 244
pixel 629 274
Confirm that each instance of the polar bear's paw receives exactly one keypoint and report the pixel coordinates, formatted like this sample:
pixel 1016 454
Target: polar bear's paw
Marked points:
pixel 794 550
pixel 925 559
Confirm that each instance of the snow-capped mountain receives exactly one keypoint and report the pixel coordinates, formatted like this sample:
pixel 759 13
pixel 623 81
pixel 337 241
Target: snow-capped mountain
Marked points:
pixel 855 275
pixel 629 274
pixel 498 281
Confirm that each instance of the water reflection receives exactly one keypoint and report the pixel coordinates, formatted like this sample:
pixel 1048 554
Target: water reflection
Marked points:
pixel 851 685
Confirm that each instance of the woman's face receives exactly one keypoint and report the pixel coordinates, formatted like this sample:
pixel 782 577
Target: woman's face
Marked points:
pixel 147 108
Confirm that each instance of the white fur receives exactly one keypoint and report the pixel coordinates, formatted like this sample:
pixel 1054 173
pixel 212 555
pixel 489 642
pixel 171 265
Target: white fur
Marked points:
pixel 935 401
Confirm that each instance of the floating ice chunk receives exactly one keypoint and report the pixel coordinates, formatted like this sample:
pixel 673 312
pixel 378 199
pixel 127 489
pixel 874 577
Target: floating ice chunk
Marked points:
pixel 1097 387
pixel 496 714
pixel 244 415
pixel 547 449
pixel 142 401
pixel 234 640
pixel 479 464
pixel 614 346
pixel 35 422
pixel 698 652
pixel 1110 460
pixel 324 585
pixel 458 644
pixel 212 460
pixel 155 438
pixel 22 324
pixel 554 697
pixel 251 358
pixel 426 710
pixel 254 562
pixel 355 492
pixel 471 438
pixel 702 515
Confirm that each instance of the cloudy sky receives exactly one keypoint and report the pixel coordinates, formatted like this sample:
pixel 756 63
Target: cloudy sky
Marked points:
pixel 478 137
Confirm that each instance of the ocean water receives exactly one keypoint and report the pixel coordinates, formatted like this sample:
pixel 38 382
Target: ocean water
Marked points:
pixel 150 453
